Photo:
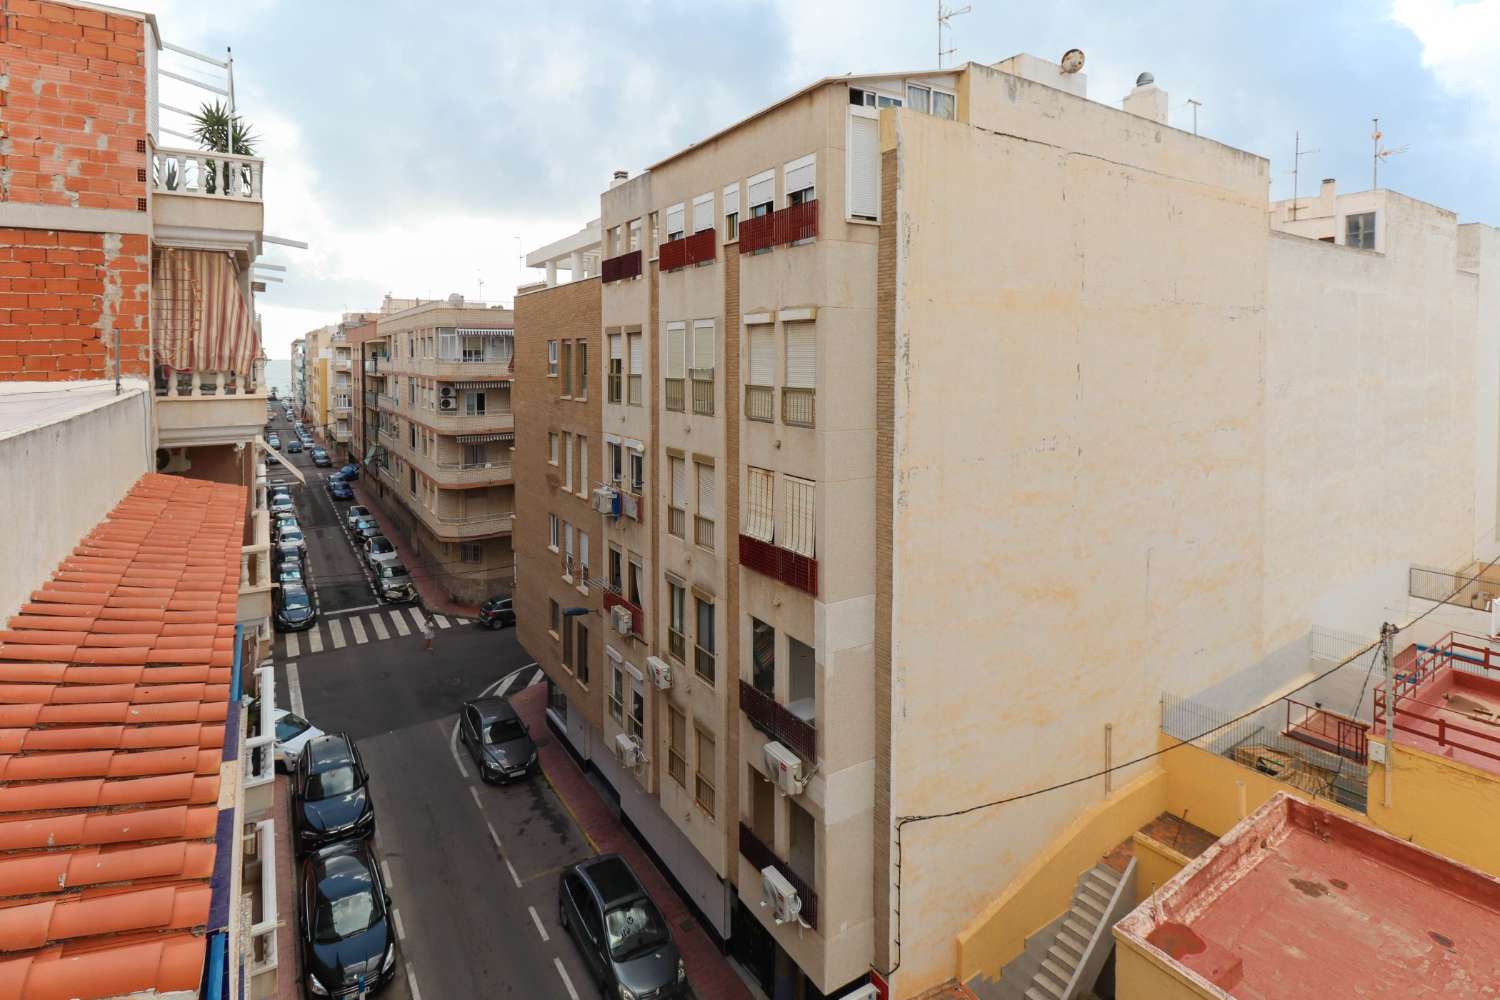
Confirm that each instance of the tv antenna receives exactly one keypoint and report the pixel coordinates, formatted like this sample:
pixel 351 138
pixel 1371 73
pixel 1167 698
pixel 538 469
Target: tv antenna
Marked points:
pixel 1377 154
pixel 1196 105
pixel 945 16
pixel 1297 154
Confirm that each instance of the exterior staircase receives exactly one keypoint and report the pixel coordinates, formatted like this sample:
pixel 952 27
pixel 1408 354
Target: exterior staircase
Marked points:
pixel 1064 958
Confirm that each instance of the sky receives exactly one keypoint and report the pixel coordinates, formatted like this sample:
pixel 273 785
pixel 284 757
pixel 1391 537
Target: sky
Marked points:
pixel 421 148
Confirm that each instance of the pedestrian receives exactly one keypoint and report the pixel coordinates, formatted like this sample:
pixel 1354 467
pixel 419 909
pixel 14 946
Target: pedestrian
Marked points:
pixel 427 633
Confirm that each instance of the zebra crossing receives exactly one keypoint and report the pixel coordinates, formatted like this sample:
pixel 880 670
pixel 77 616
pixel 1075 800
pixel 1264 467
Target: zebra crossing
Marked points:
pixel 359 628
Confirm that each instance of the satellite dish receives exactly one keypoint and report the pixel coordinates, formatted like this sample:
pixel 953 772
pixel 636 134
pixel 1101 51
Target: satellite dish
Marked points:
pixel 1072 61
pixel 1145 80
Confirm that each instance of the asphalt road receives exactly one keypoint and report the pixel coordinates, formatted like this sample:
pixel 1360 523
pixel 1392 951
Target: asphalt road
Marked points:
pixel 472 868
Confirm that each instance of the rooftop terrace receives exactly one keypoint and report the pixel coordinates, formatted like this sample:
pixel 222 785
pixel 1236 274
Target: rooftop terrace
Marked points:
pixel 1447 700
pixel 1296 901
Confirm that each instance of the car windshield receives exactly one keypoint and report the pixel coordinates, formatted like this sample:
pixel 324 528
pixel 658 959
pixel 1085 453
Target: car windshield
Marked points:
pixel 290 726
pixel 504 731
pixel 392 569
pixel 296 599
pixel 634 928
pixel 325 785
pixel 337 919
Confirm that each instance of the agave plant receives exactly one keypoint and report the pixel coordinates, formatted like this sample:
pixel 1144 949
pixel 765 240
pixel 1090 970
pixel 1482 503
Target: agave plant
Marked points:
pixel 218 130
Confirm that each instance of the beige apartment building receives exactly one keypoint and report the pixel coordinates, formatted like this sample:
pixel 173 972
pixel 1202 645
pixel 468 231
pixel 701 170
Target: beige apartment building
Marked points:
pixel 441 376
pixel 948 419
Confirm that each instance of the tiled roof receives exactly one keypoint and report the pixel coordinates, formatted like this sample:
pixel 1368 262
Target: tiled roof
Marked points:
pixel 114 692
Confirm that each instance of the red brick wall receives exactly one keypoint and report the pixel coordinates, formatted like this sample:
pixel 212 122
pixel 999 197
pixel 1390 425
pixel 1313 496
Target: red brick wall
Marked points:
pixel 73 116
pixel 63 295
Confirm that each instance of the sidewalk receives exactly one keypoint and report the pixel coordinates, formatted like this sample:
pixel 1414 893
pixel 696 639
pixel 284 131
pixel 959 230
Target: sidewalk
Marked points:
pixel 288 954
pixel 708 970
pixel 434 598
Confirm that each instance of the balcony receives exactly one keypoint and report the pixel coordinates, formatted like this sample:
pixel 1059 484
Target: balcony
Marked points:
pixel 372 400
pixel 207 408
pixel 703 391
pixel 626 265
pixel 458 422
pixel 458 473
pixel 343 364
pixel 485 370
pixel 760 403
pixel 385 402
pixel 194 189
pixel 778 721
pixel 1444 699
pixel 460 527
pixel 761 857
pixel 674 395
pixel 340 433
pixel 797 406
pixel 700 248
pixel 703 531
pixel 612 599
pixel 372 366
pixel 792 224
pixel 791 568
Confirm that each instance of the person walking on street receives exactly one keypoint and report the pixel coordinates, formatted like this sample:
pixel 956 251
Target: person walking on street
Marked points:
pixel 427 632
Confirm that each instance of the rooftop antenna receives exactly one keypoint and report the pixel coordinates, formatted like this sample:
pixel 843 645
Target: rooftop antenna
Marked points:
pixel 1196 105
pixel 1297 154
pixel 945 16
pixel 1377 154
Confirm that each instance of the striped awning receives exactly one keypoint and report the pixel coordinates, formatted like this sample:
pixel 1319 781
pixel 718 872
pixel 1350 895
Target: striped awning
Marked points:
pixel 486 438
pixel 470 332
pixel 497 382
pixel 202 321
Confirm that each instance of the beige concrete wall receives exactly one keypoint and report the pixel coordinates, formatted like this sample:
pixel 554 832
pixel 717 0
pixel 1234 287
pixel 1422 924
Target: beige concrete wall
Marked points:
pixel 1077 463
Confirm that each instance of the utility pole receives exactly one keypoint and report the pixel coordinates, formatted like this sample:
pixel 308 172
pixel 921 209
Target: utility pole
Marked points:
pixel 1196 105
pixel 1387 635
pixel 1297 154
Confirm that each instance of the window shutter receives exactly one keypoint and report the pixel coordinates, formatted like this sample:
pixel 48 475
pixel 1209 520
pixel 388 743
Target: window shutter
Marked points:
pixel 679 482
pixel 732 199
pixel 801 356
pixel 706 490
pixel 763 188
pixel 635 354
pixel 799 515
pixel 676 349
pixel 759 518
pixel 864 167
pixel 674 218
pixel 798 174
pixel 762 355
pixel 616 348
pixel 703 212
pixel 703 344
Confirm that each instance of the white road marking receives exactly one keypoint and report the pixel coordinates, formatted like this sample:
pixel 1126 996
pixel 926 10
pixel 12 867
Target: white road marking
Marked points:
pixel 513 876
pixel 568 983
pixel 315 640
pixel 358 628
pixel 416 617
pixel 538 921
pixel 350 611
pixel 336 630
pixel 400 930
pixel 441 621
pixel 399 622
pixel 294 688
pixel 475 792
pixel 507 682
pixel 293 644
pixel 416 994
pixel 453 748
pixel 536 678
pixel 379 626
pixel 385 870
pixel 494 836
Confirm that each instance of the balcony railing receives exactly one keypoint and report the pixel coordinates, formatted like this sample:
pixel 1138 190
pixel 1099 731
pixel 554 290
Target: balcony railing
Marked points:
pixel 203 174
pixel 171 383
pixel 699 248
pixel 342 364
pixel 627 265
pixel 387 402
pixel 778 721
pixel 760 403
pixel 674 395
pixel 791 568
pixel 703 391
pixel 677 522
pixel 703 531
pixel 672 254
pixel 761 857
pixel 790 225
pixel 614 599
pixel 797 406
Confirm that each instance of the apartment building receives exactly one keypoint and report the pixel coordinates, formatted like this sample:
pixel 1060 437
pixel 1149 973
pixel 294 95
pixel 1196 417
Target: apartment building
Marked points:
pixel 365 348
pixel 949 419
pixel 446 431
pixel 299 374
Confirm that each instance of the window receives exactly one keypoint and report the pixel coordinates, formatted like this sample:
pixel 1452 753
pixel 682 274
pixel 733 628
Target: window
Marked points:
pixel 797 180
pixel 762 193
pixel 871 99
pixel 616 570
pixel 635 593
pixel 677 620
pixel 554 530
pixel 635 235
pixel 581 359
pixel 637 472
pixel 677 501
pixel 567 643
pixel 703 660
pixel 763 657
pixel 802 681
pixel 567 367
pixel 703 784
pixel 411 435
pixel 616 463
pixel 471 552
pixel 803 851
pixel 675 222
pixel 919 98
pixel 676 744
pixel 616 378
pixel 583 466
pixel 1359 231
pixel 732 212
pixel 703 212
pixel 943 105
pixel 862 183
pixel 473 350
pixel 583 557
pixel 581 668
pixel 551 358
pixel 637 723
pixel 612 245
pixel 676 364
pixel 637 362
pixel 616 691
pixel 799 515
pixel 552 446
pixel 411 484
pixel 475 456
pixel 762 354
pixel 554 617
pixel 703 346
pixel 704 520
pixel 759 507
pixel 567 461
pixel 474 403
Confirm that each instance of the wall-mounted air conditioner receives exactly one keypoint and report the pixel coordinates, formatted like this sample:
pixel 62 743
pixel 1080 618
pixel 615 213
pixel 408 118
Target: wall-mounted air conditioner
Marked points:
pixel 780 895
pixel 623 619
pixel 447 403
pixel 785 767
pixel 604 500
pixel 447 392
pixel 661 672
pixel 629 749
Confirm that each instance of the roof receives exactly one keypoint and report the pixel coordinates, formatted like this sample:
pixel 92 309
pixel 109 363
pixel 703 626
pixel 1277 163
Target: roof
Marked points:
pixel 613 879
pixel 491 708
pixel 1300 901
pixel 114 691
pixel 1447 701
pixel 30 406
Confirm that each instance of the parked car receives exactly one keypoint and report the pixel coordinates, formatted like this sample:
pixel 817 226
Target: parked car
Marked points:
pixel 379 550
pixel 353 514
pixel 350 471
pixel 290 572
pixel 274 441
pixel 497 738
pixel 289 552
pixel 623 936
pixel 282 504
pixel 330 794
pixel 348 946
pixel 394 582
pixel 284 522
pixel 293 534
pixel 320 457
pixel 366 528
pixel 294 446
pixel 294 611
pixel 497 612
pixel 292 734
pixel 340 490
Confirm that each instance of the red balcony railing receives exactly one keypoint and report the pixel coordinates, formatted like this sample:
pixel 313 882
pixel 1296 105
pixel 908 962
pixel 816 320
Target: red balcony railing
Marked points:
pixel 1427 718
pixel 637 616
pixel 793 223
pixel 777 720
pixel 758 233
pixel 791 568
pixel 761 856
pixel 673 254
pixel 1329 731
pixel 627 265
pixel 702 247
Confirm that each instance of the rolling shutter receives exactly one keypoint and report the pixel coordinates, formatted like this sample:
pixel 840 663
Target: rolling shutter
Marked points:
pixel 732 199
pixel 763 188
pixel 703 344
pixel 864 167
pixel 703 212
pixel 676 350
pixel 798 175
pixel 762 355
pixel 635 354
pixel 705 491
pixel 799 515
pixel 801 356
pixel 674 218
pixel 679 482
pixel 616 348
pixel 759 510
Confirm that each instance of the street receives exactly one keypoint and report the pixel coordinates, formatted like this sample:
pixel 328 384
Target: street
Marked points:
pixel 472 869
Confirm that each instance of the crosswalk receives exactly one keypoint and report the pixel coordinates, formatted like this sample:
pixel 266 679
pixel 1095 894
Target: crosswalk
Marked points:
pixel 359 628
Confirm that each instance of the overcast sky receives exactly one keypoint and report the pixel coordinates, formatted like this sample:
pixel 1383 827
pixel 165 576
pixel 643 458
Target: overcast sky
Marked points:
pixel 421 147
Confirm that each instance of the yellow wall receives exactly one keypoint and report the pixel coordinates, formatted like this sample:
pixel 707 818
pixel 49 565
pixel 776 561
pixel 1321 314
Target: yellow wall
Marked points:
pixel 1440 805
pixel 1043 889
pixel 1139 976
pixel 1155 862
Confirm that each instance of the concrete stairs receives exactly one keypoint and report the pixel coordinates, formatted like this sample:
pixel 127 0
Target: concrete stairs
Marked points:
pixel 1047 965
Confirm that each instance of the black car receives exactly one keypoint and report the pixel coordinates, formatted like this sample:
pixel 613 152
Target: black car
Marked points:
pixel 330 794
pixel 294 611
pixel 290 571
pixel 497 612
pixel 294 446
pixel 320 458
pixel 498 739
pixel 348 946
pixel 623 936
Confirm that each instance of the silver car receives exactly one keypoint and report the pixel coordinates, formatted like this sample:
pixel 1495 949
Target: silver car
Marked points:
pixel 394 582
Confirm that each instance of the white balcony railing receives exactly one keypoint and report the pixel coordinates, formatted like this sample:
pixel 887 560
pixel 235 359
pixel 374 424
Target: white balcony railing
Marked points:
pixel 173 383
pixel 202 174
pixel 263 931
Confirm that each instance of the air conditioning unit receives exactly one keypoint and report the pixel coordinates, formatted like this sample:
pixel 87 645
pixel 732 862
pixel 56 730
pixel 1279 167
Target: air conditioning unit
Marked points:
pixel 629 749
pixel 661 672
pixel 623 620
pixel 780 895
pixel 785 768
pixel 447 392
pixel 447 403
pixel 604 500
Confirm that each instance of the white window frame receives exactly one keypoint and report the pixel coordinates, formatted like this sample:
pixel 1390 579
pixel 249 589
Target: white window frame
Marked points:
pixel 800 163
pixel 731 207
pixel 680 210
pixel 554 532
pixel 952 96
pixel 856 111
pixel 552 359
pixel 702 213
pixel 760 178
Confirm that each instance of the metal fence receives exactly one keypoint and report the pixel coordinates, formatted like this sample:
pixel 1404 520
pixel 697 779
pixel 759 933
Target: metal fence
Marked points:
pixel 1451 588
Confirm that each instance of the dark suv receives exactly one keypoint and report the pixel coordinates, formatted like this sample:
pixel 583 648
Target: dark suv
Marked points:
pixel 623 936
pixel 330 794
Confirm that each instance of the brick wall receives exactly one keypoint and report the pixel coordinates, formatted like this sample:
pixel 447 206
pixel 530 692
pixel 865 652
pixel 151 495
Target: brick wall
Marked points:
pixel 64 296
pixel 72 107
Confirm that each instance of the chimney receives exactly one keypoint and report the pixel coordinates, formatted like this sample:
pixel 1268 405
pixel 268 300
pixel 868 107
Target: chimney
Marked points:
pixel 621 176
pixel 1147 100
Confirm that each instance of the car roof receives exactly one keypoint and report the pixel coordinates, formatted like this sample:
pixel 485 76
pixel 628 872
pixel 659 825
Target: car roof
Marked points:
pixel 612 879
pixel 344 869
pixel 329 750
pixel 492 709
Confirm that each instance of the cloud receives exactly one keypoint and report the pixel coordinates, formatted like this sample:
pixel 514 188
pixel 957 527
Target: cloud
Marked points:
pixel 1459 47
